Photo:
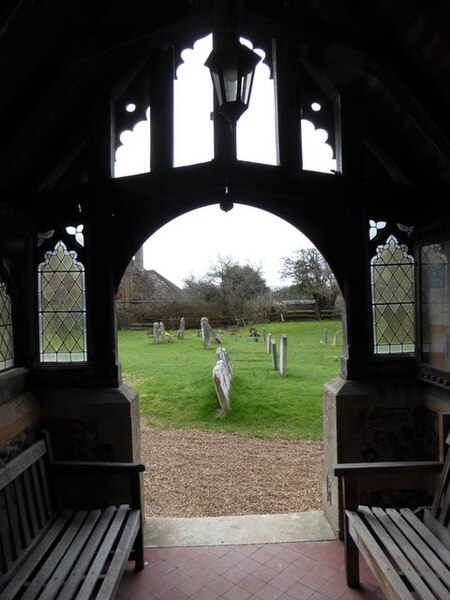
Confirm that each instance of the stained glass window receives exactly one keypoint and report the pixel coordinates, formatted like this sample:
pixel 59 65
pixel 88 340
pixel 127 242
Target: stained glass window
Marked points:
pixel 392 283
pixel 62 307
pixel 6 330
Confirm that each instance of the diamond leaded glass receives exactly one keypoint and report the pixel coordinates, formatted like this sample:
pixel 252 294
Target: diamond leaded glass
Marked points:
pixel 392 284
pixel 62 307
pixel 6 331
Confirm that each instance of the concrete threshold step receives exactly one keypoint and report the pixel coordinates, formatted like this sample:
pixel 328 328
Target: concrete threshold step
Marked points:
pixel 163 532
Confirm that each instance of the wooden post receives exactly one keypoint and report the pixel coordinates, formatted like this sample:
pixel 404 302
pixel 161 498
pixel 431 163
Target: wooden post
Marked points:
pixel 283 355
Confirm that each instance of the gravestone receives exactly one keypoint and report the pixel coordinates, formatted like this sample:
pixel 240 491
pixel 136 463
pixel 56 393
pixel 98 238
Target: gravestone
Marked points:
pixel 274 355
pixel 325 336
pixel 283 355
pixel 222 376
pixel 208 334
pixel 155 332
pixel 335 338
pixel 162 330
pixel 269 343
pixel 180 334
pixel 222 354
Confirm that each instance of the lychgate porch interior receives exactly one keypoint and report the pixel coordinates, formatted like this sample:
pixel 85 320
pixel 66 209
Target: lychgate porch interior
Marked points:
pixel 69 227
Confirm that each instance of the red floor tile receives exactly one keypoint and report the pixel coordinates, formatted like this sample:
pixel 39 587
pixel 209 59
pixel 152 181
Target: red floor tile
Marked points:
pixel 285 571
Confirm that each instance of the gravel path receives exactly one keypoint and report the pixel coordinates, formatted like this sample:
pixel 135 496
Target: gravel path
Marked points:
pixel 202 474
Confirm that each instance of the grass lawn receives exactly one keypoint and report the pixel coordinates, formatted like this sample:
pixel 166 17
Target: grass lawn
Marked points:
pixel 175 386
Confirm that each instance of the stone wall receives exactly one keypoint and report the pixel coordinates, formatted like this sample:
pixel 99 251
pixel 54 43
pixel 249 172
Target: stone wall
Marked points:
pixel 382 420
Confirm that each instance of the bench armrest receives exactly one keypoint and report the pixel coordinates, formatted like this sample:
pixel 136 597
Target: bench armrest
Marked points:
pixel 355 469
pixel 348 474
pixel 96 467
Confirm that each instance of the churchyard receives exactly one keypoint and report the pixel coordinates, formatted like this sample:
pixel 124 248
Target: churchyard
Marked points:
pixel 174 377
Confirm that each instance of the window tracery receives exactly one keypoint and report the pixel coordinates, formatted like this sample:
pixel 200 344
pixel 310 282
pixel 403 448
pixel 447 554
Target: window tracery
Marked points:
pixel 392 292
pixel 62 307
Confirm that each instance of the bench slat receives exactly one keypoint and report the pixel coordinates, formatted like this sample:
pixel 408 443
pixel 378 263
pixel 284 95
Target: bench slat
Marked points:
pixel 5 542
pixel 79 569
pixel 20 495
pixel 52 560
pixel 427 546
pixel 103 553
pixel 390 522
pixel 32 561
pixel 111 582
pixel 70 556
pixel 408 570
pixel 13 521
pixel 21 463
pixel 378 563
pixel 31 508
pixel 37 489
pixel 436 545
pixel 45 491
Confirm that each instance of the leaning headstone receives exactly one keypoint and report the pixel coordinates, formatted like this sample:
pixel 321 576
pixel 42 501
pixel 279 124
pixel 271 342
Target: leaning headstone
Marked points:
pixel 181 330
pixel 208 334
pixel 269 343
pixel 222 354
pixel 156 332
pixel 283 355
pixel 222 376
pixel 335 338
pixel 274 355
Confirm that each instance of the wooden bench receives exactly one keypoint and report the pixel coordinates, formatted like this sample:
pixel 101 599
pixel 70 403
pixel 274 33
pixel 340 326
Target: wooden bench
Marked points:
pixel 408 552
pixel 48 551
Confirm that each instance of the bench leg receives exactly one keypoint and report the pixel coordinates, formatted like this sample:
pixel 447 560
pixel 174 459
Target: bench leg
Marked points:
pixel 351 560
pixel 139 550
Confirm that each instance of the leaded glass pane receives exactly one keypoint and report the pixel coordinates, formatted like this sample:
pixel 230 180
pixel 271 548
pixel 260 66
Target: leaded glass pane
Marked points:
pixel 62 307
pixel 392 283
pixel 435 305
pixel 6 331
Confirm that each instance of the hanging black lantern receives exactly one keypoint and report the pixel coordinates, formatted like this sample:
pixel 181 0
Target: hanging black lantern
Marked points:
pixel 232 66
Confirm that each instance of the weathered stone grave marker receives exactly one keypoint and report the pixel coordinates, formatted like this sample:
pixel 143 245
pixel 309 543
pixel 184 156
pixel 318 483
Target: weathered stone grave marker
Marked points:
pixel 180 334
pixel 269 343
pixel 335 338
pixel 283 355
pixel 274 355
pixel 222 376
pixel 325 335
pixel 208 334
pixel 156 332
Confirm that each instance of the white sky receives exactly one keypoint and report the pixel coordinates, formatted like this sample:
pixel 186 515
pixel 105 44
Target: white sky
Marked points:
pixel 192 243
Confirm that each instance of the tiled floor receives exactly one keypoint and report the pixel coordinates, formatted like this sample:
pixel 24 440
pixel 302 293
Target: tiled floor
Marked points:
pixel 282 571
